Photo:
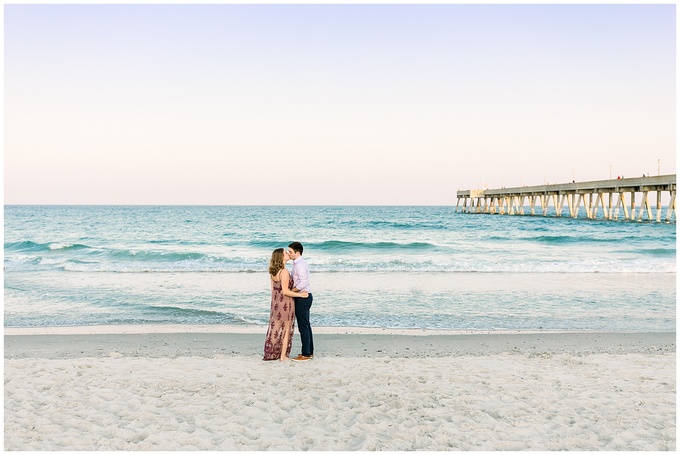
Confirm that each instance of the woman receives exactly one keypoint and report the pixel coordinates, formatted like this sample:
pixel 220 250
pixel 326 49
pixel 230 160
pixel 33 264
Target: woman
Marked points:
pixel 282 314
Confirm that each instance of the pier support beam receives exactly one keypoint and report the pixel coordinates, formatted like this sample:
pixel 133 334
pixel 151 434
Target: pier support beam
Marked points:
pixel 671 207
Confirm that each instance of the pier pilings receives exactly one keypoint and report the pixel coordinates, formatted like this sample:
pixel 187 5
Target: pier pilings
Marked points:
pixel 596 197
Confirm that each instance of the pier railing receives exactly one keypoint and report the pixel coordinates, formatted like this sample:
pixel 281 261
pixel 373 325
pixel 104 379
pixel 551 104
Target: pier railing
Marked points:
pixel 592 195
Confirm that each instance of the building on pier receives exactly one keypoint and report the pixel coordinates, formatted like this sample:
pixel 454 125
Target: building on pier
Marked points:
pixel 593 196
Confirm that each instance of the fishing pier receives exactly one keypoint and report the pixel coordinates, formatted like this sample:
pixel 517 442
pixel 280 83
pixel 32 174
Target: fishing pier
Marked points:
pixel 593 196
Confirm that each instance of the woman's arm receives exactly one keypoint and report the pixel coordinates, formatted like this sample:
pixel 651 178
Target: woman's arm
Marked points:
pixel 285 277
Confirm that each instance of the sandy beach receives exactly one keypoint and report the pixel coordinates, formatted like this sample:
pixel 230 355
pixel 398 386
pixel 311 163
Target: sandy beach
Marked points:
pixel 206 388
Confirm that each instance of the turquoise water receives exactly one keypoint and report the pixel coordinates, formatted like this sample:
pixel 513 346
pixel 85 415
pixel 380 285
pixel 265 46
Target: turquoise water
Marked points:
pixel 396 267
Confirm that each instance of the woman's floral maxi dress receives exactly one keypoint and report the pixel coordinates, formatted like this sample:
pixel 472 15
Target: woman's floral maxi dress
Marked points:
pixel 282 312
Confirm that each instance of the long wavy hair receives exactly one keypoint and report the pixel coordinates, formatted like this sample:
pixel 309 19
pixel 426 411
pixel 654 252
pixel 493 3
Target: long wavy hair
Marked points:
pixel 276 262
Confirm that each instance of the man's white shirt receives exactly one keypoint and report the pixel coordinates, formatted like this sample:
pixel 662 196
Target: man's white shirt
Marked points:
pixel 301 275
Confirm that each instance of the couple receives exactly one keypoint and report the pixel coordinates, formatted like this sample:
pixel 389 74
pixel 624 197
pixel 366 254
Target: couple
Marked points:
pixel 291 298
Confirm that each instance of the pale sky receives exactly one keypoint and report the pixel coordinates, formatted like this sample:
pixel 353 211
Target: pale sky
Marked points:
pixel 330 104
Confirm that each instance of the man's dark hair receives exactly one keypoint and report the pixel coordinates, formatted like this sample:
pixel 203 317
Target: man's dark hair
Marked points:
pixel 296 246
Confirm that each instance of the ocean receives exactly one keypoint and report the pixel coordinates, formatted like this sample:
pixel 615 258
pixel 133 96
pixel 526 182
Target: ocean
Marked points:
pixel 380 267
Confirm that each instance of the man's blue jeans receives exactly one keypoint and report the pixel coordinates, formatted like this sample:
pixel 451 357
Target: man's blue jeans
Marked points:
pixel 302 306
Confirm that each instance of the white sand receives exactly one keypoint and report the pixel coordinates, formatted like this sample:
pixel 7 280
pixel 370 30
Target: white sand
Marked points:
pixel 514 400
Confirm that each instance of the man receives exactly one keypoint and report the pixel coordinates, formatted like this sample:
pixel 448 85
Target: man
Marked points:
pixel 302 304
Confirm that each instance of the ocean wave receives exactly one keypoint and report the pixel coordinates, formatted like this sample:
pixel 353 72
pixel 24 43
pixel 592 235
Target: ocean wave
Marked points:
pixel 87 253
pixel 33 256
pixel 561 239
pixel 658 252
pixel 171 313
pixel 181 311
pixel 270 244
pixel 340 245
pixel 656 260
pixel 35 247
pixel 633 266
pixel 156 268
pixel 161 256
pixel 144 315
pixel 396 225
